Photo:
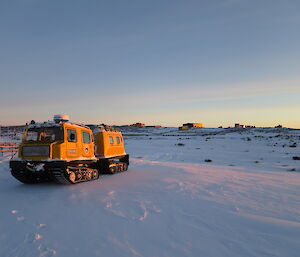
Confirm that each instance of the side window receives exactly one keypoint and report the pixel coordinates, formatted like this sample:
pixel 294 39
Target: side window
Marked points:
pixel 71 135
pixel 86 137
pixel 118 140
pixel 111 140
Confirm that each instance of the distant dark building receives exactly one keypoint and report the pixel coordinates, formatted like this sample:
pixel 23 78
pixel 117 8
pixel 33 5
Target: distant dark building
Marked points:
pixel 12 128
pixel 138 124
pixel 237 125
pixel 184 128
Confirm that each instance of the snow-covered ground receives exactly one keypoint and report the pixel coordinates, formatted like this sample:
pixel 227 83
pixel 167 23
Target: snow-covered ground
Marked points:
pixel 244 200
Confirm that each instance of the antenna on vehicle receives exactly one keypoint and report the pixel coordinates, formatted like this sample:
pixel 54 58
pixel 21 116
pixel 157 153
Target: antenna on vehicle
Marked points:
pixel 61 118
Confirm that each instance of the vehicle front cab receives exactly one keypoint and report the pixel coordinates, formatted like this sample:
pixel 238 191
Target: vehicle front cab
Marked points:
pixel 52 141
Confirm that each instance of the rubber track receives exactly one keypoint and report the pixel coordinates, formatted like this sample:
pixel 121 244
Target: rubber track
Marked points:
pixel 59 177
pixel 22 177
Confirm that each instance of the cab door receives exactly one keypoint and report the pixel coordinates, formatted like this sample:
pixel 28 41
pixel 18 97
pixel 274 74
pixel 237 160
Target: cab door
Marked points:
pixel 72 143
pixel 87 144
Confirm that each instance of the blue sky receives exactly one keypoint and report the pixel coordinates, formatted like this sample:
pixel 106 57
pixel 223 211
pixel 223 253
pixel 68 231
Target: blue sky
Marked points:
pixel 159 62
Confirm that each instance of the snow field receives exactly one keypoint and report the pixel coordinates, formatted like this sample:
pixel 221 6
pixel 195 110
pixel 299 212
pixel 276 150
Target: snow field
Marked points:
pixel 169 203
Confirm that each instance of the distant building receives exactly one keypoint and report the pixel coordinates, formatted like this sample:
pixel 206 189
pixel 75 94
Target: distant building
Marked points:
pixel 237 125
pixel 184 128
pixel 193 125
pixel 278 126
pixel 19 128
pixel 138 124
pixel 154 126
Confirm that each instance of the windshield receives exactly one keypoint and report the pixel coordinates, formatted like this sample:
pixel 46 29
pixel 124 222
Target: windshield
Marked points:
pixel 44 134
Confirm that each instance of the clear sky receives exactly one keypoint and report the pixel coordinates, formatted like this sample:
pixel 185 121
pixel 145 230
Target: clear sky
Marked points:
pixel 164 62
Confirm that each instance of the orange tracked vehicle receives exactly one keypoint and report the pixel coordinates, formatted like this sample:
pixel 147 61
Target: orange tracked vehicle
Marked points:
pixel 68 153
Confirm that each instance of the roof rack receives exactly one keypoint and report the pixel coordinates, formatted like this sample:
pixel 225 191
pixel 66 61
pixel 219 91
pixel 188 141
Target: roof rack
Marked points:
pixel 104 127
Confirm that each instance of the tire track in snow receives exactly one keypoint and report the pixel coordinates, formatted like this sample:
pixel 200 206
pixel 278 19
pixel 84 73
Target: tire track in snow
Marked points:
pixel 32 243
pixel 139 209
